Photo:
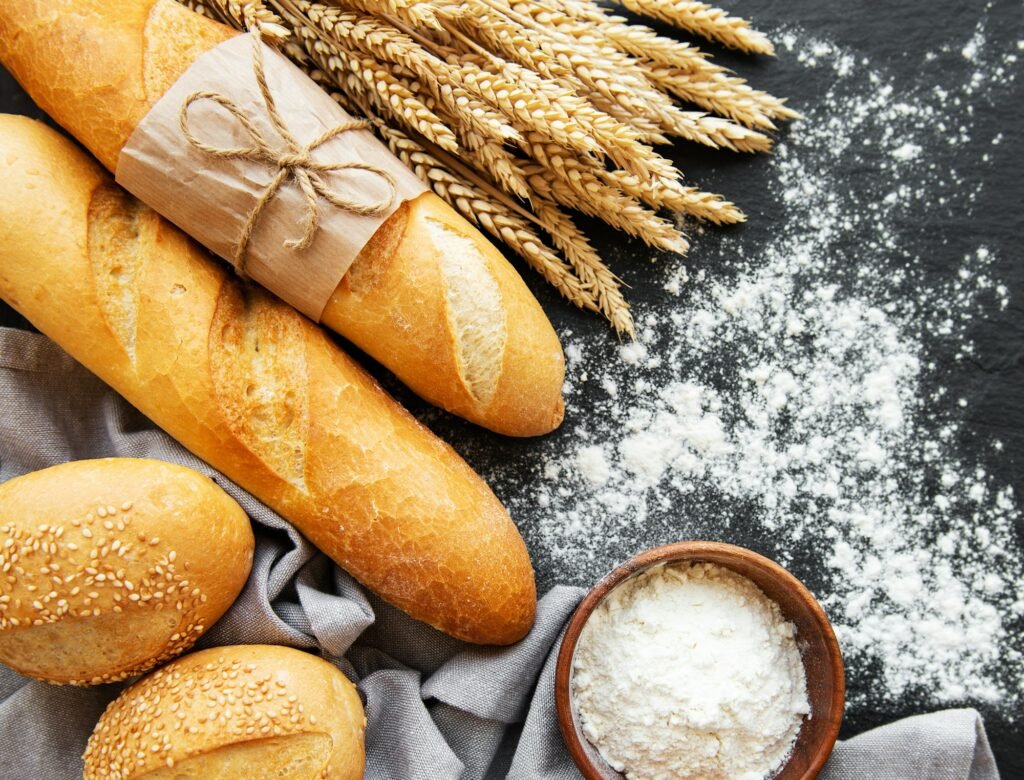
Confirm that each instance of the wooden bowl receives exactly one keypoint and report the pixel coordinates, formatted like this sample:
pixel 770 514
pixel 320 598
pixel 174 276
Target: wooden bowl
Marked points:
pixel 818 647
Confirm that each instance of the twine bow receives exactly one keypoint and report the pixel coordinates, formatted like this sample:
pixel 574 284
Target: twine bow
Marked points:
pixel 292 160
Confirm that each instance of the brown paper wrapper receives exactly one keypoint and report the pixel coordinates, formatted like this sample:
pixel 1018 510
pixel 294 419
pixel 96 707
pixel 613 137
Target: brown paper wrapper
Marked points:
pixel 211 198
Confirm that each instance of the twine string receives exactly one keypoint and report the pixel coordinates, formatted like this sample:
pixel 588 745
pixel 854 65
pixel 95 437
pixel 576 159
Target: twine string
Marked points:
pixel 292 161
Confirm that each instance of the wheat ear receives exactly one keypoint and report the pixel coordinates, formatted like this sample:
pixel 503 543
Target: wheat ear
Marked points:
pixel 705 20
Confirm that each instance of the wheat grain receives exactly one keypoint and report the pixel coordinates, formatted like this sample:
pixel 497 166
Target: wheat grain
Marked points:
pixel 675 197
pixel 727 95
pixel 535 109
pixel 645 44
pixel 386 92
pixel 644 130
pixel 570 182
pixel 589 267
pixel 415 12
pixel 387 43
pixel 516 110
pixel 249 15
pixel 497 160
pixel 705 20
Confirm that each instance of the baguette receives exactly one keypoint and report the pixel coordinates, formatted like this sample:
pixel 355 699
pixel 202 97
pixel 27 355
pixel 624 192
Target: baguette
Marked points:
pixel 114 566
pixel 256 390
pixel 429 296
pixel 255 711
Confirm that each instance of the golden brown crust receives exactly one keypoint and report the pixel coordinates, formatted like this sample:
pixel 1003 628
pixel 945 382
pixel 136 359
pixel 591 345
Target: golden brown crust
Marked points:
pixel 191 714
pixel 113 566
pixel 387 320
pixel 97 66
pixel 371 487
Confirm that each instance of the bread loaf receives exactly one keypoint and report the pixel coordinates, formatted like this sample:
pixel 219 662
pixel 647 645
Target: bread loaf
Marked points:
pixel 113 566
pixel 429 297
pixel 257 712
pixel 256 390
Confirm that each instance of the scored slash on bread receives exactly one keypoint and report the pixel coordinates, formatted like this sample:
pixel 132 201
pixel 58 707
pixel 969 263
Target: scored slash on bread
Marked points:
pixel 429 297
pixel 490 355
pixel 256 390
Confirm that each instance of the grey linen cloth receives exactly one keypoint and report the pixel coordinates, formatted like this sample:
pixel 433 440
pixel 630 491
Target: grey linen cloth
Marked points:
pixel 436 708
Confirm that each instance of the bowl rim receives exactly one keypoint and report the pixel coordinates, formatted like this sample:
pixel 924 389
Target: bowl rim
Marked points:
pixel 676 551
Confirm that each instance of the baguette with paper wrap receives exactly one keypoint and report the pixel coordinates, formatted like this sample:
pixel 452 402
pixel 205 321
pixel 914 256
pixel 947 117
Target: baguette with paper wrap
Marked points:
pixel 256 390
pixel 428 296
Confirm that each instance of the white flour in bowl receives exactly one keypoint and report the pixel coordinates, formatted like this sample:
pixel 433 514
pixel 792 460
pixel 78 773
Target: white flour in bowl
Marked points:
pixel 689 671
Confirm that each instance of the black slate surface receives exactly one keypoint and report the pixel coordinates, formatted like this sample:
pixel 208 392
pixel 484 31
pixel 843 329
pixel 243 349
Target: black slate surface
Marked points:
pixel 896 36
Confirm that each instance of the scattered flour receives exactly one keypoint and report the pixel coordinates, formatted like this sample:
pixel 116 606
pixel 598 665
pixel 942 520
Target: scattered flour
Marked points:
pixel 690 671
pixel 794 398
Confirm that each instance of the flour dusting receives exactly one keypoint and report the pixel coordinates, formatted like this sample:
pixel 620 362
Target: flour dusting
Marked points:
pixel 797 394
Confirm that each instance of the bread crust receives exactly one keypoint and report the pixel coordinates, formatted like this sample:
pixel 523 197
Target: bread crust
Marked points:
pixel 113 566
pixel 180 720
pixel 386 319
pixel 256 390
pixel 96 66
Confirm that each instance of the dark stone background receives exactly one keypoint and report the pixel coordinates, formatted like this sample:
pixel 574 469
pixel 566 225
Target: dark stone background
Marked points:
pixel 894 35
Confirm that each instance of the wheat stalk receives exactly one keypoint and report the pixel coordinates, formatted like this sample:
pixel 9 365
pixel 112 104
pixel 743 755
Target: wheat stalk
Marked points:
pixel 247 15
pixel 723 94
pixel 705 20
pixel 587 264
pixel 517 112
pixel 674 196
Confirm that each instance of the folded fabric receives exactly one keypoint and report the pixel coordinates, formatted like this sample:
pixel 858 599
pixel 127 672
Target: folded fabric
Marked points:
pixel 436 708
pixel 947 745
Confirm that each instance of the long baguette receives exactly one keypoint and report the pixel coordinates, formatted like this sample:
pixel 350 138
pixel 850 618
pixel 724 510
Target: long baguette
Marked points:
pixel 256 390
pixel 429 297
